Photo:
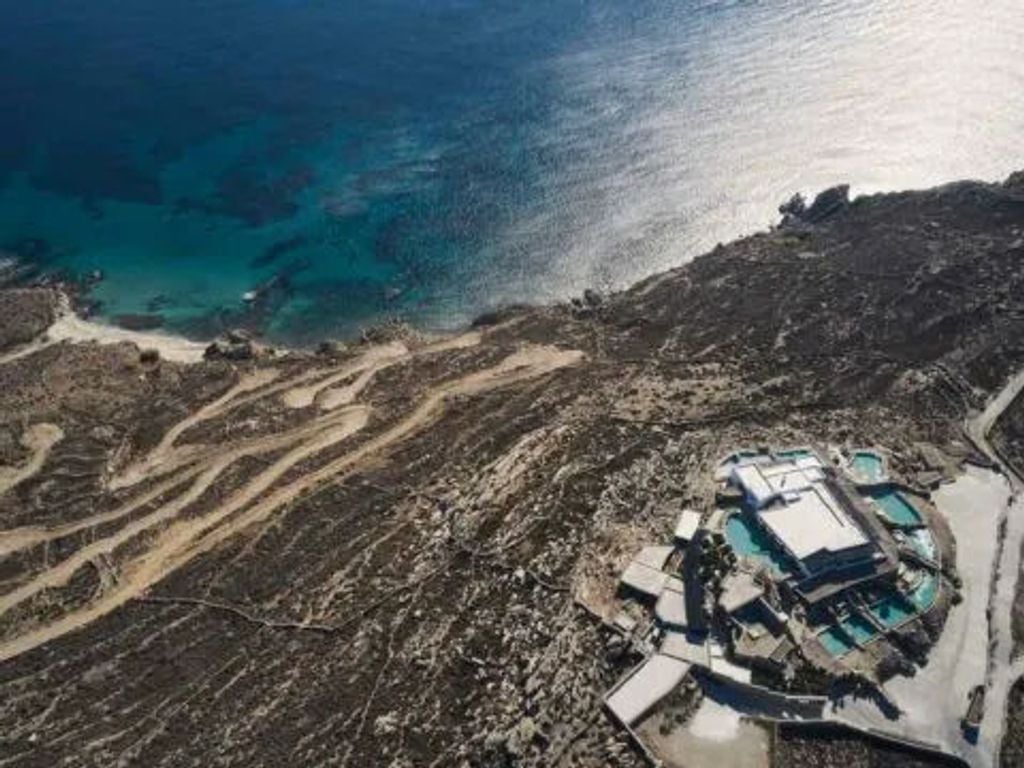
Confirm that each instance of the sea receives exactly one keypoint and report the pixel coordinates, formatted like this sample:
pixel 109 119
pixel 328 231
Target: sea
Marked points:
pixel 310 167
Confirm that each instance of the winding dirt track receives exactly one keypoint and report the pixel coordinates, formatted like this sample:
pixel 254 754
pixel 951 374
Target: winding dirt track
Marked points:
pixel 179 528
pixel 39 438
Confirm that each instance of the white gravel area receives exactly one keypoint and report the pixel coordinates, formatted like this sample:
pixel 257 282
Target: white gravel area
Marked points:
pixel 936 698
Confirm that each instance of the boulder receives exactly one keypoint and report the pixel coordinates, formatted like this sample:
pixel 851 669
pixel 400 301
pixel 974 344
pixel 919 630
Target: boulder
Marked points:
pixel 330 348
pixel 795 206
pixel 827 204
pixel 227 350
pixel 1015 182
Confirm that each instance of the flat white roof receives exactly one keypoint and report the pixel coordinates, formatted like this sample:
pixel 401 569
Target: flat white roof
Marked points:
pixel 750 478
pixel 644 579
pixel 725 668
pixel 654 557
pixel 795 480
pixel 765 482
pixel 671 606
pixel 785 466
pixel 679 646
pixel 811 522
pixel 809 462
pixel 649 683
pixel 739 589
pixel 686 527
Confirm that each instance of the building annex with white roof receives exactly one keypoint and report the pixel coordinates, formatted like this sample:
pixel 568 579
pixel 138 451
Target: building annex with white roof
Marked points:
pixel 797 505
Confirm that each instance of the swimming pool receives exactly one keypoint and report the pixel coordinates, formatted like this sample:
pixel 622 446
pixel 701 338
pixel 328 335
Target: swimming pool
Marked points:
pixel 835 642
pixel 747 540
pixel 923 595
pixel 868 466
pixel 794 453
pixel 891 610
pixel 737 457
pixel 896 508
pixel 859 628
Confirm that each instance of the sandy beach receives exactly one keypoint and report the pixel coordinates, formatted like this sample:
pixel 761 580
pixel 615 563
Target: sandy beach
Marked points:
pixel 70 327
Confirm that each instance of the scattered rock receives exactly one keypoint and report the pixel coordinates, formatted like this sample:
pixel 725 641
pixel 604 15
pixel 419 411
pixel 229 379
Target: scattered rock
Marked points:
pixel 331 348
pixel 149 356
pixel 593 298
pixel 237 344
pixel 392 329
pixel 795 206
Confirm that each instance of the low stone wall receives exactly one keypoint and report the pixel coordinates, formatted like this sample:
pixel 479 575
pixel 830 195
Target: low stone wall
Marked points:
pixel 832 731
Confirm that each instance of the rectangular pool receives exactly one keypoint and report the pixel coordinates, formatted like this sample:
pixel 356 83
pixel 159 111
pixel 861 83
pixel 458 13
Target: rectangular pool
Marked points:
pixel 835 643
pixel 859 628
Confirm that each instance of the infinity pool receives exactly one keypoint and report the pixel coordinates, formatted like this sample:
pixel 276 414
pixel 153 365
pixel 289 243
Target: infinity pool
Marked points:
pixel 747 540
pixel 858 628
pixel 835 643
pixel 924 593
pixel 891 610
pixel 896 508
pixel 794 453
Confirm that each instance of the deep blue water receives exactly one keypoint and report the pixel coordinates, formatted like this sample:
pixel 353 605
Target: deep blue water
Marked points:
pixel 435 158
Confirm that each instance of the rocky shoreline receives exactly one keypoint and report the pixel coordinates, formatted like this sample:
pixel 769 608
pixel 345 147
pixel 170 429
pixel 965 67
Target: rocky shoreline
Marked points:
pixel 404 551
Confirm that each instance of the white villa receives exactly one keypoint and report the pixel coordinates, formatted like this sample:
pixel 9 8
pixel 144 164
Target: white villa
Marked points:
pixel 798 506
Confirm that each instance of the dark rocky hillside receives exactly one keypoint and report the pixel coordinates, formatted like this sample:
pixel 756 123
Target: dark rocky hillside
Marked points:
pixel 402 555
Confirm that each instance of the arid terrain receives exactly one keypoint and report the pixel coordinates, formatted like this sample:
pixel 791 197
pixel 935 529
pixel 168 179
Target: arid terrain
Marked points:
pixel 404 551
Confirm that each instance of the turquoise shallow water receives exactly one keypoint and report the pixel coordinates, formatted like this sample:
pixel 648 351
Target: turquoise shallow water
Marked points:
pixel 437 159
